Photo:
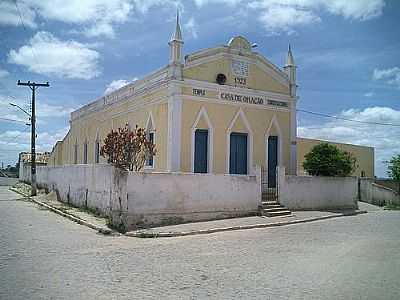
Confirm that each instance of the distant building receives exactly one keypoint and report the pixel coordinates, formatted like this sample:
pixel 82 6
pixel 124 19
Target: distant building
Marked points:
pixel 24 160
pixel 363 154
pixel 224 109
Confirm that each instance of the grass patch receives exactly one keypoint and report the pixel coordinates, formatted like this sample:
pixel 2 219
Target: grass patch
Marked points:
pixel 121 228
pixel 392 207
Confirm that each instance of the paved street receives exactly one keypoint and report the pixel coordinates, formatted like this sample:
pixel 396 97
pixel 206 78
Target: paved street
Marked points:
pixel 44 256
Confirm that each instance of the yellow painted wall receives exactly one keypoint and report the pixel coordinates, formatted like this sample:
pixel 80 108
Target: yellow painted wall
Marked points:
pixel 100 123
pixel 56 155
pixel 363 154
pixel 221 116
pixel 258 79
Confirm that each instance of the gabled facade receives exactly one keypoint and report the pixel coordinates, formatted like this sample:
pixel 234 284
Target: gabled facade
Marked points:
pixel 220 110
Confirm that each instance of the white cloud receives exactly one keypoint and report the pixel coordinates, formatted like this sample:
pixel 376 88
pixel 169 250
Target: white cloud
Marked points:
pixel 191 27
pixel 99 17
pixel 383 138
pixel 143 6
pixel 14 117
pixel 283 18
pixel 284 15
pixel 45 54
pixel 101 28
pixel 201 3
pixel 78 11
pixel 96 17
pixel 51 111
pixel 355 9
pixel 43 109
pixel 3 73
pixel 391 76
pixel 369 94
pixel 117 84
pixel 9 14
pixel 14 141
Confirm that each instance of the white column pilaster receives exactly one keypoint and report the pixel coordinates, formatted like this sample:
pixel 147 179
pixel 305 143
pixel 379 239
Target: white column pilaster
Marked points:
pixel 174 127
pixel 293 138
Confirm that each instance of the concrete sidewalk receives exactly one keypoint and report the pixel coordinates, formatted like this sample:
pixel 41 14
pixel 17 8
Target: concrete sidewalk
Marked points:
pixel 239 224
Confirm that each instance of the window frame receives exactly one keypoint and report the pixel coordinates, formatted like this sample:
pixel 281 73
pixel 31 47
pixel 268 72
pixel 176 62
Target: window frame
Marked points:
pixel 146 164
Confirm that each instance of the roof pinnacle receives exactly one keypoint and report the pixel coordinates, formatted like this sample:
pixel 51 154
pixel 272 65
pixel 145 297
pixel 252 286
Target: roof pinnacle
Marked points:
pixel 177 35
pixel 290 60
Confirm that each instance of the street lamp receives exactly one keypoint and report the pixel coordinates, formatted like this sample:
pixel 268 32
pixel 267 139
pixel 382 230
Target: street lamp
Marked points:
pixel 16 105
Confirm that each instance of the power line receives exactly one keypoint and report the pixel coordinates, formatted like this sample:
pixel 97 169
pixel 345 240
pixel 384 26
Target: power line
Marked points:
pixel 23 25
pixel 11 120
pixel 12 150
pixel 17 136
pixel 346 119
pixel 20 15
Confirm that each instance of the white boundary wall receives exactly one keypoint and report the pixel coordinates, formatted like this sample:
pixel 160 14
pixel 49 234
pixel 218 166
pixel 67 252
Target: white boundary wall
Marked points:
pixel 25 172
pixel 376 194
pixel 317 193
pixel 132 199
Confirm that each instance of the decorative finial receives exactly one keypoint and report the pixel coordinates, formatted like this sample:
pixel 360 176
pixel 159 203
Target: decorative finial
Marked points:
pixel 290 60
pixel 177 35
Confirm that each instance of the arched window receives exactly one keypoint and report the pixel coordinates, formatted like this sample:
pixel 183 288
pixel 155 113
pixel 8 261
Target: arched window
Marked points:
pixel 97 151
pixel 76 153
pixel 150 132
pixel 85 154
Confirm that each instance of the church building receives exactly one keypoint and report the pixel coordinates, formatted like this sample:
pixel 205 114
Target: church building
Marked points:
pixel 224 110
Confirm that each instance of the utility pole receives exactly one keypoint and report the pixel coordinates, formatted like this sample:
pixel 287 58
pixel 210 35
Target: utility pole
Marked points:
pixel 33 86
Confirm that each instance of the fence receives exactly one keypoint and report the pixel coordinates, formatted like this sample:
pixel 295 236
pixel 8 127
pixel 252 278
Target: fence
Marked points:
pixel 143 199
pixel 376 194
pixel 317 193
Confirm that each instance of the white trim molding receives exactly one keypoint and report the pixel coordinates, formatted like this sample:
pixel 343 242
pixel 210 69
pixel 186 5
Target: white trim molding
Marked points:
pixel 96 140
pixel 174 128
pixel 151 128
pixel 210 150
pixel 293 139
pixel 193 83
pixel 274 123
pixel 150 119
pixel 240 113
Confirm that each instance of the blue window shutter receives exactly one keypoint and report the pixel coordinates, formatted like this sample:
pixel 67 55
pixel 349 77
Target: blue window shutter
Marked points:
pixel 238 153
pixel 201 151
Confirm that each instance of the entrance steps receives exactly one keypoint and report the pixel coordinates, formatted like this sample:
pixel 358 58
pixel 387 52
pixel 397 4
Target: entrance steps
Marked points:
pixel 272 208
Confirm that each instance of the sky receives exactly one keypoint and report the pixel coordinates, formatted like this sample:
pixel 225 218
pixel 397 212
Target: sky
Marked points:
pixel 347 53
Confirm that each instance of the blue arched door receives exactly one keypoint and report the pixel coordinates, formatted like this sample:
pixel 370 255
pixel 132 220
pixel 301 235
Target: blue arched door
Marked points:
pixel 272 160
pixel 238 153
pixel 201 151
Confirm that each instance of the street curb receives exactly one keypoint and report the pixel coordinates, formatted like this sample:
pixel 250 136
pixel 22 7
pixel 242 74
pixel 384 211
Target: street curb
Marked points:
pixel 143 234
pixel 19 192
pixel 102 230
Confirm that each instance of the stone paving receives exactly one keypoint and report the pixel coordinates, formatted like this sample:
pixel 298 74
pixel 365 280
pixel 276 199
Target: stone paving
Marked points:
pixel 86 217
pixel 46 256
